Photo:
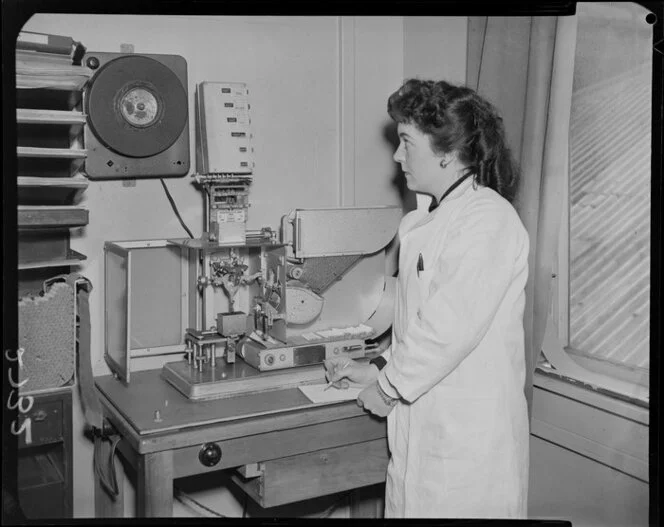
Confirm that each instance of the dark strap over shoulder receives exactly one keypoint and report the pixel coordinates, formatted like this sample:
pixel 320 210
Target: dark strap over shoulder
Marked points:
pixel 434 204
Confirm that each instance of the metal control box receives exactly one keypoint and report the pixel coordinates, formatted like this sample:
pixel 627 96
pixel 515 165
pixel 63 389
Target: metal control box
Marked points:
pixel 223 144
pixel 231 324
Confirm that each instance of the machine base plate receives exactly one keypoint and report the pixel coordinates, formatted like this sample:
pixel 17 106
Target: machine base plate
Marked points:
pixel 226 380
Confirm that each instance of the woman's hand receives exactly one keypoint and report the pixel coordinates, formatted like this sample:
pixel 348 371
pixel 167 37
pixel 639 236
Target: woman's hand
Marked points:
pixel 344 367
pixel 374 400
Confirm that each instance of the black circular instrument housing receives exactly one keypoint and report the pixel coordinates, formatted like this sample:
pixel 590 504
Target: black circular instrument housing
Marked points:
pixel 114 116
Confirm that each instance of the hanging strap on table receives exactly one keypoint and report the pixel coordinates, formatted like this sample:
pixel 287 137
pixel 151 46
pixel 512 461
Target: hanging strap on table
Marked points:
pixel 96 426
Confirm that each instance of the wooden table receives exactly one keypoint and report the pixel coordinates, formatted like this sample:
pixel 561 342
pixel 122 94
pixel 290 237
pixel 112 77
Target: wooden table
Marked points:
pixel 290 448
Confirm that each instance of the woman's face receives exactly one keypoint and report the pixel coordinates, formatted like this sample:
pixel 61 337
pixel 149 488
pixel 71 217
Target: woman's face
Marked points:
pixel 419 163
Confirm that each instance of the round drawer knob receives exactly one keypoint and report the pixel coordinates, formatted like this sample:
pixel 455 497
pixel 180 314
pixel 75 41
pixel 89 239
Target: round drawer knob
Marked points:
pixel 210 454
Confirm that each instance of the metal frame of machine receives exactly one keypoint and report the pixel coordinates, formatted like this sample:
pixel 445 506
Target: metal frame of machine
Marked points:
pixel 277 278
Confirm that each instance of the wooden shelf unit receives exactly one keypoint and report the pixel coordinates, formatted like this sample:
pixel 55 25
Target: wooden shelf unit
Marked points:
pixel 70 182
pixel 51 159
pixel 48 216
pixel 40 116
pixel 68 259
pixel 50 153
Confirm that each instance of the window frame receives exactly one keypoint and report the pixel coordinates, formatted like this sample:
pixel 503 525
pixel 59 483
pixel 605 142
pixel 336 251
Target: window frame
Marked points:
pixel 615 376
pixel 560 309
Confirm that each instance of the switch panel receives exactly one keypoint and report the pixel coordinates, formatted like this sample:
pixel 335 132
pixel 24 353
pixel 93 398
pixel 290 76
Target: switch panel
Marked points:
pixel 224 143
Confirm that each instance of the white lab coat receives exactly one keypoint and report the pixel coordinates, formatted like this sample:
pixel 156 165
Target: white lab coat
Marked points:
pixel 458 437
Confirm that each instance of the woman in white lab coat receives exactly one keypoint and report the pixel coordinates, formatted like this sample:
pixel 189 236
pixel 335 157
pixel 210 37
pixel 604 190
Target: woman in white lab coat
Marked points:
pixel 452 382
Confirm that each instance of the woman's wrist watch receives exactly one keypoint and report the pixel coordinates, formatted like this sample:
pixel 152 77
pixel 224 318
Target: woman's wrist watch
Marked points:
pixel 389 401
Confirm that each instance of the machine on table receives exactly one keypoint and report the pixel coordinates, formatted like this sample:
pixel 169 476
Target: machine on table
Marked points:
pixel 243 308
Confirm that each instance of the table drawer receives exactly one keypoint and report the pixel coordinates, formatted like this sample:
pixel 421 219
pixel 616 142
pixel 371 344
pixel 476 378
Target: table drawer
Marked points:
pixel 278 444
pixel 319 473
pixel 45 426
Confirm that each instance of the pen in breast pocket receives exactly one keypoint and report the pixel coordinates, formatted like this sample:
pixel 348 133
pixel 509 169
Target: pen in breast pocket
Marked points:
pixel 420 265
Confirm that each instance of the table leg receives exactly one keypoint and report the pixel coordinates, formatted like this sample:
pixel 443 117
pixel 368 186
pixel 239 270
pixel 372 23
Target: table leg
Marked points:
pixel 154 489
pixel 105 505
pixel 368 502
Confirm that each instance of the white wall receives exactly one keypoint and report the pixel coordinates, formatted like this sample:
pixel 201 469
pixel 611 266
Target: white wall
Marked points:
pixel 588 457
pixel 424 38
pixel 568 486
pixel 318 90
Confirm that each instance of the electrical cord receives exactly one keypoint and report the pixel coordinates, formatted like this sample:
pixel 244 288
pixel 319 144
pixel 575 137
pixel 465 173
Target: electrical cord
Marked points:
pixel 111 486
pixel 175 208
pixel 186 499
pixel 328 512
pixel 479 69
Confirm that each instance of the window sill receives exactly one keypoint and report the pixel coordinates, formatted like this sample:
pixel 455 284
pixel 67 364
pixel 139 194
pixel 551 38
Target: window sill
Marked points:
pixel 630 407
pixel 622 372
pixel 590 423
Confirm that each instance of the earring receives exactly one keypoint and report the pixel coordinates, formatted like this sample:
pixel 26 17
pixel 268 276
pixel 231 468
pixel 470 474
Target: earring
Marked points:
pixel 443 164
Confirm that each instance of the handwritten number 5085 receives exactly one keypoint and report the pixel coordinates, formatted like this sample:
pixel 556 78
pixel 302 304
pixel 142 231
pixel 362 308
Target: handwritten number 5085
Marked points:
pixel 23 403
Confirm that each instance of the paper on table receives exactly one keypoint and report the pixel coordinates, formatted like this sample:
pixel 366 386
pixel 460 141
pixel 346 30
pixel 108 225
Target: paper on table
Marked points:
pixel 318 394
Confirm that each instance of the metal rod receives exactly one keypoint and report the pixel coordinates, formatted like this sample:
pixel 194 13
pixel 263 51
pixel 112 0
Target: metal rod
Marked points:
pixel 199 354
pixel 208 207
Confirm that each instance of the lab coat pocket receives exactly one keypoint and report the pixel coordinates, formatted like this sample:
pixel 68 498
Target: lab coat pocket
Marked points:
pixel 423 283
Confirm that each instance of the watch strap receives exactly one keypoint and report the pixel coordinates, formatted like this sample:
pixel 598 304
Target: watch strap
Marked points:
pixel 379 361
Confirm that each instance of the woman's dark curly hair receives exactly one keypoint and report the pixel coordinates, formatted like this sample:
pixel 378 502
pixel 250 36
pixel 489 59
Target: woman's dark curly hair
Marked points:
pixel 457 119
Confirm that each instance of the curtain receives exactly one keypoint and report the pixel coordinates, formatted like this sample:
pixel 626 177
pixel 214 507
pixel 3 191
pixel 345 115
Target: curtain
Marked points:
pixel 525 67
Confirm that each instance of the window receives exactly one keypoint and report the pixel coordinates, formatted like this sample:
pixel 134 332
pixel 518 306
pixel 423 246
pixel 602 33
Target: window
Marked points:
pixel 601 308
